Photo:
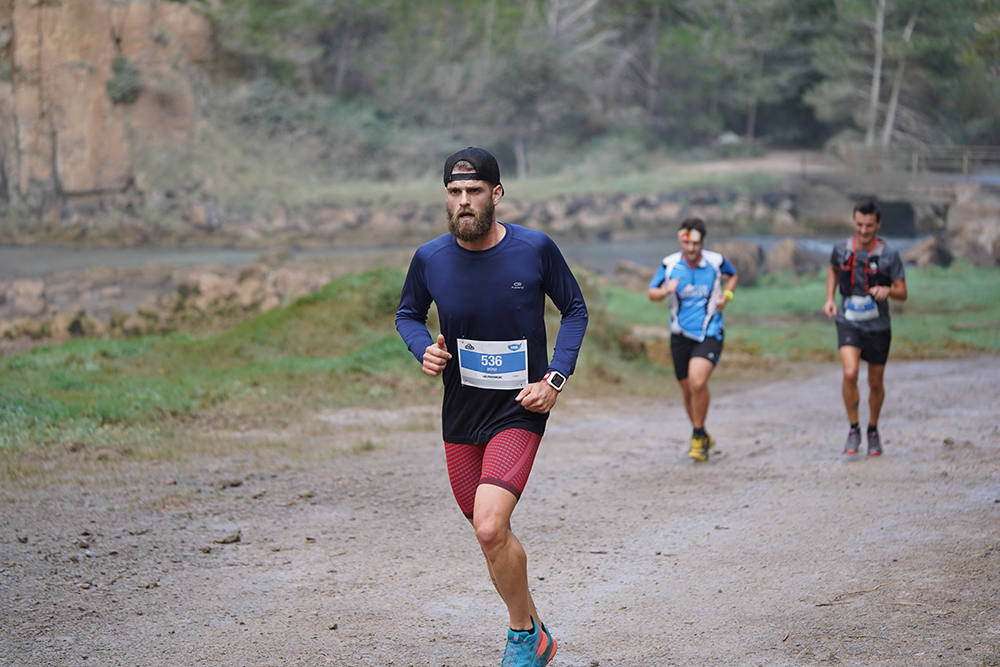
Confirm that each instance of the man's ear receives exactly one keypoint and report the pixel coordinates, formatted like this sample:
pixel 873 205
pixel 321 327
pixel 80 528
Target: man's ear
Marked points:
pixel 497 193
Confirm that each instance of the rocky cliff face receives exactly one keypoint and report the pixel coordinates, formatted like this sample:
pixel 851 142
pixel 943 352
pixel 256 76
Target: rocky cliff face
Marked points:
pixel 82 83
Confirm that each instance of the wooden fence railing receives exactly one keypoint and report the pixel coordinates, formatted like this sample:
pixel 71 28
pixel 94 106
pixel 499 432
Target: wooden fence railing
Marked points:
pixel 965 160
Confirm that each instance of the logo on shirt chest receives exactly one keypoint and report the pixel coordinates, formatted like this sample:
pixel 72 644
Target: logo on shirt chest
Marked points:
pixel 517 285
pixel 692 291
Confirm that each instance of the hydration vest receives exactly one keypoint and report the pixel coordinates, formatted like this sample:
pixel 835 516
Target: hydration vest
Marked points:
pixel 872 275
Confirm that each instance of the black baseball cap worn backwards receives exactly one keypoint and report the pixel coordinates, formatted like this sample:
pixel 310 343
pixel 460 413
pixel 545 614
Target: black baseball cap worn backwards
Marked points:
pixel 486 167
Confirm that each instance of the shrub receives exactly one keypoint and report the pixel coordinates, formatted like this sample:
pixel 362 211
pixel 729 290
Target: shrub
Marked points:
pixel 125 83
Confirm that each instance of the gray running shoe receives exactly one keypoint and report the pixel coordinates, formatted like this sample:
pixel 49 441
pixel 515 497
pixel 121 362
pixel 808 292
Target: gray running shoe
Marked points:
pixel 853 443
pixel 874 444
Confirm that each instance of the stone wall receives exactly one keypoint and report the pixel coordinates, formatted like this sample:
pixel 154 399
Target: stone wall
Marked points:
pixel 101 301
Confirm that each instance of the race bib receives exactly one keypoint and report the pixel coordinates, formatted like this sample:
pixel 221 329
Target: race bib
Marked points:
pixel 860 308
pixel 493 364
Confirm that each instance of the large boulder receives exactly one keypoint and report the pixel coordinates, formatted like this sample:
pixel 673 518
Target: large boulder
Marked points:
pixel 209 291
pixel 746 256
pixel 27 297
pixel 823 206
pixel 291 283
pixel 787 255
pixel 973 230
pixel 75 322
pixel 632 276
pixel 24 327
pixel 251 293
pixel 932 251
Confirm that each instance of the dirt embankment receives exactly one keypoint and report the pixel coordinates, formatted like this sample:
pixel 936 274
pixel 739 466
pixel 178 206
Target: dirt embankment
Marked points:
pixel 335 540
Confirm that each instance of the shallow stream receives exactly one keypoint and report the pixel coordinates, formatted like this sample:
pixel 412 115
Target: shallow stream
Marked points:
pixel 601 256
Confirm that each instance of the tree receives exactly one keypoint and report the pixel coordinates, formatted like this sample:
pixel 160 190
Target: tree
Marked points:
pixel 272 37
pixel 897 84
pixel 878 40
pixel 918 41
pixel 760 45
pixel 537 80
pixel 691 69
pixel 544 81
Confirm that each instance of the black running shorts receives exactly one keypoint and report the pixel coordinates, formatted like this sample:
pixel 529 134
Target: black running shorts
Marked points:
pixel 874 344
pixel 683 348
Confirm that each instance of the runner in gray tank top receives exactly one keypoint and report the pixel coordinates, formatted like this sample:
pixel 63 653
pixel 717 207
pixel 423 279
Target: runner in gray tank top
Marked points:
pixel 867 273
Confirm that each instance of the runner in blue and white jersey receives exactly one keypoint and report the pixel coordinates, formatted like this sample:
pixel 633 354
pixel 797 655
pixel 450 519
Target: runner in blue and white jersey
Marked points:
pixel 698 284
pixel 489 281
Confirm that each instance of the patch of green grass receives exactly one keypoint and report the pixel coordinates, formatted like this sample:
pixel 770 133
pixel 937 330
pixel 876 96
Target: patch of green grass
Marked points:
pixel 338 347
pixel 320 346
pixel 949 311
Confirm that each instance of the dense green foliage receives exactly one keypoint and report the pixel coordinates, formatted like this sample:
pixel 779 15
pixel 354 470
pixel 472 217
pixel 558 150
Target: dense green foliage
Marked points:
pixel 374 87
pixel 338 346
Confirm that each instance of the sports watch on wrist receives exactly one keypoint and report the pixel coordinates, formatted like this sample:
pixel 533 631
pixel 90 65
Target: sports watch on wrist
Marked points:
pixel 555 379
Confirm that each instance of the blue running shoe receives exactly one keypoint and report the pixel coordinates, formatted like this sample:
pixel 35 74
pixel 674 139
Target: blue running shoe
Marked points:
pixel 534 649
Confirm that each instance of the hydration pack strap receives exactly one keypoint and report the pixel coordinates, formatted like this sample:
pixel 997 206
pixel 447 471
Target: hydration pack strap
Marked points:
pixel 847 270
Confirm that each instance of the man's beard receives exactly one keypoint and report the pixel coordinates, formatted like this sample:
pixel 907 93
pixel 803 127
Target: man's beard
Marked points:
pixel 472 230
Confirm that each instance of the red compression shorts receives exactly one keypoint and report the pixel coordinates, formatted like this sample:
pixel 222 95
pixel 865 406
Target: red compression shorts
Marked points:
pixel 504 461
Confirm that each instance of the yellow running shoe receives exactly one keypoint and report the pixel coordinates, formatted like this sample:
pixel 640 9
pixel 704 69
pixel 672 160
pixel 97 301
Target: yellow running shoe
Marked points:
pixel 700 445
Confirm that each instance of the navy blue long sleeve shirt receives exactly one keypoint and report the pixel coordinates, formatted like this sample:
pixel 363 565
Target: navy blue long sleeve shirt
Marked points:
pixel 496 294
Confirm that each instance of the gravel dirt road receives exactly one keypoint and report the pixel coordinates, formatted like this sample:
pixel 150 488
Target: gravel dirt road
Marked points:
pixel 335 540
